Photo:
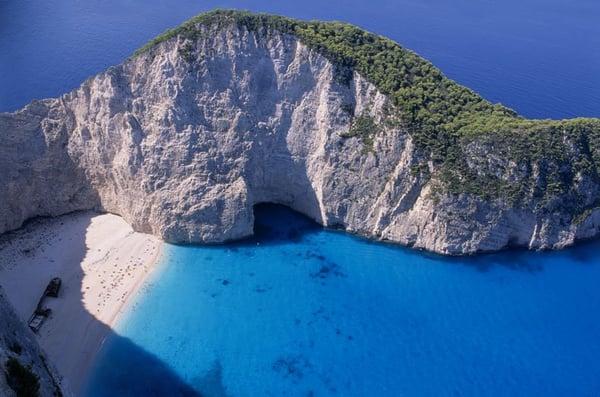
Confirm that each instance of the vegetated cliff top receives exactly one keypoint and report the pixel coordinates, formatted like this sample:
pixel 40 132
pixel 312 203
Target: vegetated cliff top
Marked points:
pixel 442 116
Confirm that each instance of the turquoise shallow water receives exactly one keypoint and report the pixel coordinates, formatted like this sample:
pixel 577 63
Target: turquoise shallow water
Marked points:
pixel 301 311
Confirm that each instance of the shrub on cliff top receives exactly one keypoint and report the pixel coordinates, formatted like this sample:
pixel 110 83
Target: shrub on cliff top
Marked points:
pixel 441 115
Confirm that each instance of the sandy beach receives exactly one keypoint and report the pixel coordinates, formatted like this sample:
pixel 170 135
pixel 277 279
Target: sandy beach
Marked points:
pixel 102 263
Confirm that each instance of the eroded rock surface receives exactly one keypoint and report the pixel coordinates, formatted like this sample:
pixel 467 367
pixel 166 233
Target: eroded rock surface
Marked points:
pixel 184 139
pixel 22 362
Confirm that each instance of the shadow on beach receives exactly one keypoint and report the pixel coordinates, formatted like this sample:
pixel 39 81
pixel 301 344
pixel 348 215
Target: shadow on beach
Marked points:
pixel 134 362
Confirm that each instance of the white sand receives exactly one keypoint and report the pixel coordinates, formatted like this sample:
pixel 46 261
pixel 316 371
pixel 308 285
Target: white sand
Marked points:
pixel 101 262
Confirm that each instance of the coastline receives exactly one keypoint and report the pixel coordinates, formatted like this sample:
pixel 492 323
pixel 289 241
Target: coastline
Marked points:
pixel 102 263
pixel 119 313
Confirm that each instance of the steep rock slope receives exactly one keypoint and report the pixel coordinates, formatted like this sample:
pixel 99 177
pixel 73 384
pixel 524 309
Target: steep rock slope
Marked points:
pixel 23 366
pixel 234 109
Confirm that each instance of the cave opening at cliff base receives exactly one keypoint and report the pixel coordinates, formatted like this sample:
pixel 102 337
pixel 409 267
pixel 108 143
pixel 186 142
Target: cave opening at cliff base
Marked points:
pixel 279 223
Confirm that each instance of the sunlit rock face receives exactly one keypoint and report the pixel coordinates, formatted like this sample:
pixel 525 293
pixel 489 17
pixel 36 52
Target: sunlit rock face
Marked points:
pixel 184 139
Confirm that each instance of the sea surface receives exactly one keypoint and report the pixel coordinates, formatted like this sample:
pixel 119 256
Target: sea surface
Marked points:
pixel 302 311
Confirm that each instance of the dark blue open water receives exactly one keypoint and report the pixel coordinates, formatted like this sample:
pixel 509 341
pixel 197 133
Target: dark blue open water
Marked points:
pixel 300 311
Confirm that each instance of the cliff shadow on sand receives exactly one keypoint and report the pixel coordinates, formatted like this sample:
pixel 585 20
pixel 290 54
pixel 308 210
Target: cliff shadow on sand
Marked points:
pixel 71 334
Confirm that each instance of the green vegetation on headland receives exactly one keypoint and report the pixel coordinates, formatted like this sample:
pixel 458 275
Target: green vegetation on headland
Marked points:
pixel 363 127
pixel 535 160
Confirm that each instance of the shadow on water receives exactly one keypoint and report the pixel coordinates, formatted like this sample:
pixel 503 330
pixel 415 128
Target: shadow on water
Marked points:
pixel 525 260
pixel 132 371
pixel 274 224
pixel 278 224
pixel 515 258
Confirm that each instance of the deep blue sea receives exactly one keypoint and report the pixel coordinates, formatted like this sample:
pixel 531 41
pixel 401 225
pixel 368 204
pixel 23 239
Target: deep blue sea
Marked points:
pixel 302 311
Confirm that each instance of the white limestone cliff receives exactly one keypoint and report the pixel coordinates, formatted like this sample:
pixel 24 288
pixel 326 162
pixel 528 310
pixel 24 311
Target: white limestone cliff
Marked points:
pixel 184 139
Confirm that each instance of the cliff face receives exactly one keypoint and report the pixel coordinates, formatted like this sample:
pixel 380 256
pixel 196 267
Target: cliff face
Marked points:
pixel 23 366
pixel 185 138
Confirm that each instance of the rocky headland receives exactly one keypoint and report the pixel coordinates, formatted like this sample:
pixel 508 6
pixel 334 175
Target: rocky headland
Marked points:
pixel 233 109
